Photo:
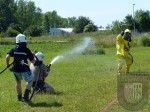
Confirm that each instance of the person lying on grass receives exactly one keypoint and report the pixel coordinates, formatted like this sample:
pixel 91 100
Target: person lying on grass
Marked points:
pixel 40 71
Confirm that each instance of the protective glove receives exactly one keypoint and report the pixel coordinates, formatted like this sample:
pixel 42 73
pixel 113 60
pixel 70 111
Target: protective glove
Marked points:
pixel 48 67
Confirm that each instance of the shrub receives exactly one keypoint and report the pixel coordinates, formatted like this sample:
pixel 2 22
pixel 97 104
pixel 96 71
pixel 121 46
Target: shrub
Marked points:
pixel 98 51
pixel 2 34
pixel 16 27
pixel 90 28
pixel 11 32
pixel 144 40
pixel 33 31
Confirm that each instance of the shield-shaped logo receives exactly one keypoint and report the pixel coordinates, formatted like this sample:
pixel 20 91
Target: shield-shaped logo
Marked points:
pixel 132 90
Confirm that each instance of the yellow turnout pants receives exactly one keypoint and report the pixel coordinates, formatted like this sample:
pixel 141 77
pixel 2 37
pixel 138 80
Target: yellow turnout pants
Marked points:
pixel 128 59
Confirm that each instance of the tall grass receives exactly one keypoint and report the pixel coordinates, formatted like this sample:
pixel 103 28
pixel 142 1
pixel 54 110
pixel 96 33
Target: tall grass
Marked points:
pixel 104 39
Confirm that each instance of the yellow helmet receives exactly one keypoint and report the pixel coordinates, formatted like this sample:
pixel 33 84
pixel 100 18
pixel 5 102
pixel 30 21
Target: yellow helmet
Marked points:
pixel 127 31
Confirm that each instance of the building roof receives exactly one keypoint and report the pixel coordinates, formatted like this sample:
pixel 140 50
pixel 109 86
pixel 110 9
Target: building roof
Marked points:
pixel 69 30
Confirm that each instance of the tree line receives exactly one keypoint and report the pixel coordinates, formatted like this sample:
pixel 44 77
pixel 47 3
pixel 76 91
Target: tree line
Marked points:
pixel 23 16
pixel 140 22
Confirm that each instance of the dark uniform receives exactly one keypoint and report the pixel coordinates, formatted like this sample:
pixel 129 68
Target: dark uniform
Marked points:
pixel 20 67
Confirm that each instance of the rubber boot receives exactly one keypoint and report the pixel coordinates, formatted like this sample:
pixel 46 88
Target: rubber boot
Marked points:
pixel 26 95
pixel 19 97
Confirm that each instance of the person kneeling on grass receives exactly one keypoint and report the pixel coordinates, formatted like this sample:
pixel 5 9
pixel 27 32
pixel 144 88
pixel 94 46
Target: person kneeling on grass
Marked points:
pixel 40 71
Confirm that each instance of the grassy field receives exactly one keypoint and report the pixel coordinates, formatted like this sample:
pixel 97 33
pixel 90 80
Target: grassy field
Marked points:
pixel 84 83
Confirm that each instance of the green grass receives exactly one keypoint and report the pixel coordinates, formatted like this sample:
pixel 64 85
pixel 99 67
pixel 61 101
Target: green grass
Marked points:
pixel 84 83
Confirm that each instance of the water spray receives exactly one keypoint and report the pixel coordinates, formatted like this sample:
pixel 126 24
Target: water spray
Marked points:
pixel 86 42
pixel 56 59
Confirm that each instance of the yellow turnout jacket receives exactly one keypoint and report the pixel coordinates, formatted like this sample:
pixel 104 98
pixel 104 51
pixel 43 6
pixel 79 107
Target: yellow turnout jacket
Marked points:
pixel 123 46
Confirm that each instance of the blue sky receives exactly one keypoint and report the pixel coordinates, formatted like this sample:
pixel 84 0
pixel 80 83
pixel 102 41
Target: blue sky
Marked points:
pixel 101 12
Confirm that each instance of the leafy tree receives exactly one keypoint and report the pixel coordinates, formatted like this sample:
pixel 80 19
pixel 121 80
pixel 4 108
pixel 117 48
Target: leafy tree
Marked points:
pixel 109 26
pixel 129 21
pixel 46 25
pixel 53 19
pixel 11 32
pixel 21 14
pixel 64 22
pixel 143 19
pixel 118 26
pixel 7 9
pixel 15 27
pixel 30 12
pixel 38 17
pixel 33 30
pixel 56 21
pixel 81 23
pixel 28 15
pixel 72 21
pixel 90 28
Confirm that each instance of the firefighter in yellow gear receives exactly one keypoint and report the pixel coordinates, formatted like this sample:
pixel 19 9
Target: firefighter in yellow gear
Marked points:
pixel 123 44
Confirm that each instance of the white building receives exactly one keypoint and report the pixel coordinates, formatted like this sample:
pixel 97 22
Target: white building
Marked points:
pixel 60 31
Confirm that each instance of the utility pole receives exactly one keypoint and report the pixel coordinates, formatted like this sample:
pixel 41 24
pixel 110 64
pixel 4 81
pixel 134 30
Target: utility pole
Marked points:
pixel 133 20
